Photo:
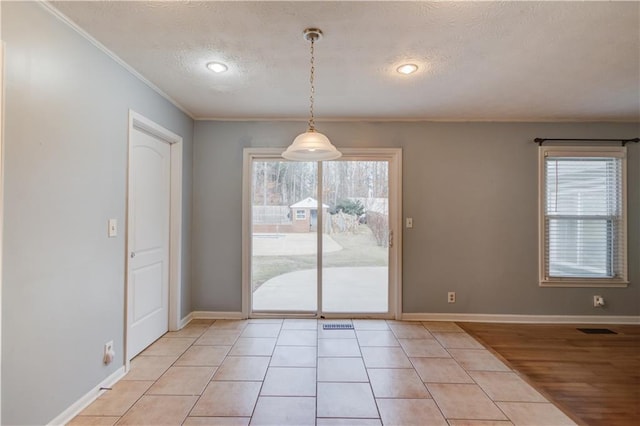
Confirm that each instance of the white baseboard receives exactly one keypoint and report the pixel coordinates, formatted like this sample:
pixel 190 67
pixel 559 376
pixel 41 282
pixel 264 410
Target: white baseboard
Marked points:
pixel 184 321
pixel 506 318
pixel 67 415
pixel 536 319
pixel 216 315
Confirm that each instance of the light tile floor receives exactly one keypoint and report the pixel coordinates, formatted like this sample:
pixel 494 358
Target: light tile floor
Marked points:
pixel 292 372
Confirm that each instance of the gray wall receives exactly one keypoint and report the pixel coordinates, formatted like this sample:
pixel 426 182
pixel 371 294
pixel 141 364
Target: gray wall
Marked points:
pixel 471 189
pixel 65 175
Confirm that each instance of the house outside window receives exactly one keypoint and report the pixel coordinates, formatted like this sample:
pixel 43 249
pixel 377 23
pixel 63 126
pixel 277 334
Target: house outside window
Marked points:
pixel 583 223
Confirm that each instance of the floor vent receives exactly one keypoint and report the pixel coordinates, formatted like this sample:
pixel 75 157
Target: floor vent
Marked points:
pixel 597 331
pixel 337 326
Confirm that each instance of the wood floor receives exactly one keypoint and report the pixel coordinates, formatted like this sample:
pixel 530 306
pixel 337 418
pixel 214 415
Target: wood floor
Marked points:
pixel 594 378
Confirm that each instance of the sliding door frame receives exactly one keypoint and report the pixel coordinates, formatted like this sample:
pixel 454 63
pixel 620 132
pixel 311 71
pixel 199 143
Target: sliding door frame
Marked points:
pixel 394 157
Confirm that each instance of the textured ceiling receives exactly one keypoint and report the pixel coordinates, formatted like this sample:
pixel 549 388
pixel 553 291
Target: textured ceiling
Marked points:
pixel 478 60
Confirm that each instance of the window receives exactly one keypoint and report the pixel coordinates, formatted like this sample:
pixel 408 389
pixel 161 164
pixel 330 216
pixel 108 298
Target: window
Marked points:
pixel 301 214
pixel 583 216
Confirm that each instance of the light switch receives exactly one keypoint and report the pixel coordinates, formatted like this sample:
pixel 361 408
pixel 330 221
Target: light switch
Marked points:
pixel 113 228
pixel 409 222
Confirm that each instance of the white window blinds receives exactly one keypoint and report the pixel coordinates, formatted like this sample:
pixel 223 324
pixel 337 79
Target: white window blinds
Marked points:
pixel 584 215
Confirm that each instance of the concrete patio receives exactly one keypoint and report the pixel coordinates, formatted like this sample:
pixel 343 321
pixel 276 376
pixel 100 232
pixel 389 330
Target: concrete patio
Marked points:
pixel 354 290
pixel 281 244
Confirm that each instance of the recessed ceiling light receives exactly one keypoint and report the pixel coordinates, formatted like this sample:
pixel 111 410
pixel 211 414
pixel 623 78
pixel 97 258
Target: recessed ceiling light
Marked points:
pixel 217 67
pixel 407 68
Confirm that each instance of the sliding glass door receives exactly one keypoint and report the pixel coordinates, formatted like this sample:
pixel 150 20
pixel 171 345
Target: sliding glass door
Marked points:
pixel 355 271
pixel 320 235
pixel 284 236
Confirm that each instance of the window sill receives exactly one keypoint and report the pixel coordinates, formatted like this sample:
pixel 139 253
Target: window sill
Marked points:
pixel 584 283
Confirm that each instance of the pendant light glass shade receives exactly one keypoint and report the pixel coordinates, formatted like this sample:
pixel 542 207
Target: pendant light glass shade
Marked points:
pixel 311 146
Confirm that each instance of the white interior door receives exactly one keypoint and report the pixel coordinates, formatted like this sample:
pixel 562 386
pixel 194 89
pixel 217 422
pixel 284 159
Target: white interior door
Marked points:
pixel 148 240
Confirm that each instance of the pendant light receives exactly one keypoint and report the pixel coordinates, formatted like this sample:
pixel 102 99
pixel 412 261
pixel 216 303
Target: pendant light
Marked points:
pixel 311 145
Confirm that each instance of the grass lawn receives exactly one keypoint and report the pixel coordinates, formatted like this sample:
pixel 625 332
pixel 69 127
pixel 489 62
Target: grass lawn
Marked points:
pixel 358 249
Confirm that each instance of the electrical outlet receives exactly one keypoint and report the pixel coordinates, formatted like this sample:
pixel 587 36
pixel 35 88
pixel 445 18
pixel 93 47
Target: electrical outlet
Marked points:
pixel 598 301
pixel 451 297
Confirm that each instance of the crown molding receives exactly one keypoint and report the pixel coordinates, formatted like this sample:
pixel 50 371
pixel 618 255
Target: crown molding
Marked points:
pixel 64 19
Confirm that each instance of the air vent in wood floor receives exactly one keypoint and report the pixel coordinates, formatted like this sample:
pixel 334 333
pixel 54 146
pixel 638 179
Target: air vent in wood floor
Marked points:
pixel 597 331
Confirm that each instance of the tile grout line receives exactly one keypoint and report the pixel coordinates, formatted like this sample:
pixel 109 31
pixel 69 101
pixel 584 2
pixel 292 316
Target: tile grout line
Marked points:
pixel 471 377
pixel 424 383
pixel 156 380
pixel 522 377
pixel 375 400
pixel 474 380
pixel 255 405
pixel 210 380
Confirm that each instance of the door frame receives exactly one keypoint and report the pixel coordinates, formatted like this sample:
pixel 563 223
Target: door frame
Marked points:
pixel 1 191
pixel 138 122
pixel 394 156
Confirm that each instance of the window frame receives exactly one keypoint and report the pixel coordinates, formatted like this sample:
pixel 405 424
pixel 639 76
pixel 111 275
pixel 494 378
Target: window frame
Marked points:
pixel 580 151
pixel 302 216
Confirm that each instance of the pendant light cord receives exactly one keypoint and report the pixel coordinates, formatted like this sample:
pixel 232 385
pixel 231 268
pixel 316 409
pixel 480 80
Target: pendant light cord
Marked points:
pixel 311 145
pixel 313 89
